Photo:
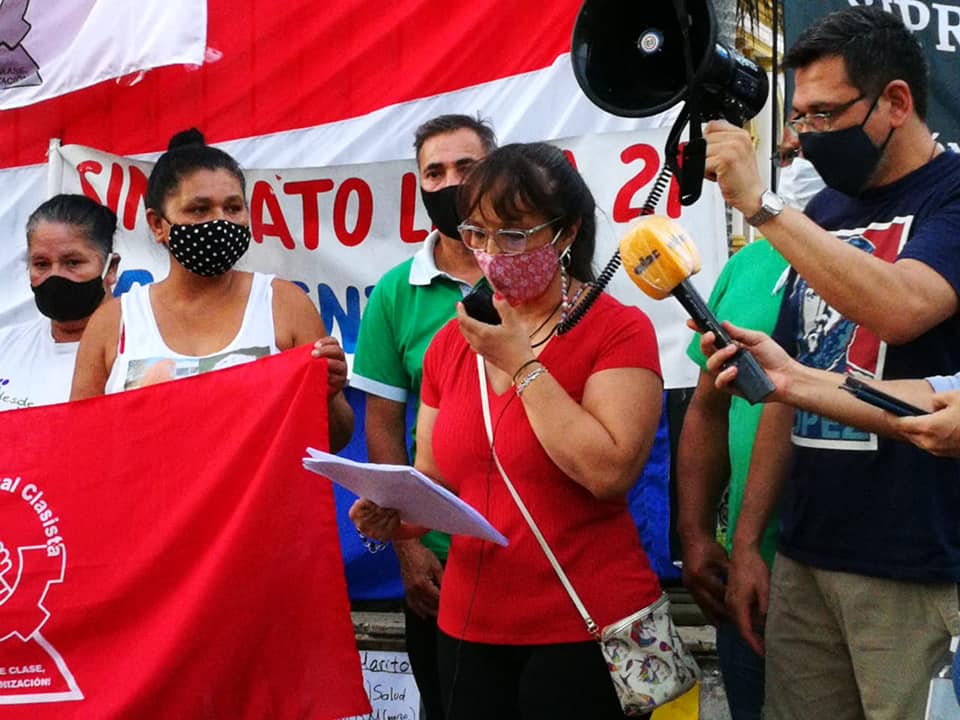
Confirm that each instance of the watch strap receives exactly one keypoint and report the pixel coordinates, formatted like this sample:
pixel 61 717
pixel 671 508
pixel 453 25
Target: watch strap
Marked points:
pixel 771 205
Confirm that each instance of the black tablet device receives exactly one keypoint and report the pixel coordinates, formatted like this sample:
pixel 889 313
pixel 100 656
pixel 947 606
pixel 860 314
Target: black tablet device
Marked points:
pixel 878 398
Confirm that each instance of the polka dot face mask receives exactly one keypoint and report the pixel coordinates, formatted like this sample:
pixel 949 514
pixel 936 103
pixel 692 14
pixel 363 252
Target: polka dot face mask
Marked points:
pixel 209 248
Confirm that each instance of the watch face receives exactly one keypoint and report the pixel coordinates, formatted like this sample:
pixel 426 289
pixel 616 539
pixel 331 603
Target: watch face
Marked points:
pixel 771 205
pixel 772 202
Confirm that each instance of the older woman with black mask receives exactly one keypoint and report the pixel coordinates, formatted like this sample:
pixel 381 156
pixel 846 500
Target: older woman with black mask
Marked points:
pixel 71 265
pixel 573 419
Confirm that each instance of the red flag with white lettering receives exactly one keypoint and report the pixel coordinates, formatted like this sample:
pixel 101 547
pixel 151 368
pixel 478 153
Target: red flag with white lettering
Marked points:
pixel 163 554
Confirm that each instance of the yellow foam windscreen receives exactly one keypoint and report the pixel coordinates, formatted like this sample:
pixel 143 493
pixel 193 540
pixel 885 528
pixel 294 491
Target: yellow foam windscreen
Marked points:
pixel 658 255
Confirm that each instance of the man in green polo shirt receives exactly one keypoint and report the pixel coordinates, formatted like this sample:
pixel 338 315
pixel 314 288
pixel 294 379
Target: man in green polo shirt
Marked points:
pixel 715 446
pixel 409 305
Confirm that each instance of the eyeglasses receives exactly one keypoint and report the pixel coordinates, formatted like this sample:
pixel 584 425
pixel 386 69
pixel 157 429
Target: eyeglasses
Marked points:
pixel 510 241
pixel 787 155
pixel 821 121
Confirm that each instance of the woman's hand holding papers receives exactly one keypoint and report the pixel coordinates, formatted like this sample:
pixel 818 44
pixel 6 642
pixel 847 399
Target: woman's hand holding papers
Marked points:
pixel 382 524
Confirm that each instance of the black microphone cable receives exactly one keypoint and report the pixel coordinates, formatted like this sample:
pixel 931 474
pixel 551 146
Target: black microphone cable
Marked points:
pixel 606 275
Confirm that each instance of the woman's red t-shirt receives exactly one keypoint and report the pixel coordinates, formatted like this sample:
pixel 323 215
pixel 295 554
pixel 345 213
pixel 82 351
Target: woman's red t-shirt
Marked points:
pixel 511 595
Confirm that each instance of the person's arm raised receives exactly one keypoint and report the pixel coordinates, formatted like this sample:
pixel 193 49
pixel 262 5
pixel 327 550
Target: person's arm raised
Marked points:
pixel 898 301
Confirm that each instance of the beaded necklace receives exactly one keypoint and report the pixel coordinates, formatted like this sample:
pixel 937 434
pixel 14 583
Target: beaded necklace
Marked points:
pixel 567 303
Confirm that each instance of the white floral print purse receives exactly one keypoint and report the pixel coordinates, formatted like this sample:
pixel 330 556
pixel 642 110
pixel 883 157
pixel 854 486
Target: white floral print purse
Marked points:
pixel 648 662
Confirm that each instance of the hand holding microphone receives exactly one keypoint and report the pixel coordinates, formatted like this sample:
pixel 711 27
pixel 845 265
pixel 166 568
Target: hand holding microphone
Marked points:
pixel 660 257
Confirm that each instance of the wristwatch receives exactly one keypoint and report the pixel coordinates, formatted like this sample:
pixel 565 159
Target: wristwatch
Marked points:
pixel 771 205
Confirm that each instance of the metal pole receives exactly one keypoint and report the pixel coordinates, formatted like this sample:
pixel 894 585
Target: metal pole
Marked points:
pixel 776 132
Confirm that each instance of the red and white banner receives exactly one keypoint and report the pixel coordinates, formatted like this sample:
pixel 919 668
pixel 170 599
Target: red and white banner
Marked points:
pixel 285 85
pixel 336 230
pixel 48 49
pixel 275 67
pixel 153 565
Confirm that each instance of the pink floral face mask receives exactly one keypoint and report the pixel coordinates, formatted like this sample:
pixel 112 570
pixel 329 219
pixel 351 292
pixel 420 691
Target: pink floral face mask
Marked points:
pixel 523 276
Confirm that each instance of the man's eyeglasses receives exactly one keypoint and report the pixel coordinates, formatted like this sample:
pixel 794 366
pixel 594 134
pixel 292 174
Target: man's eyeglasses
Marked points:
pixel 821 121
pixel 510 241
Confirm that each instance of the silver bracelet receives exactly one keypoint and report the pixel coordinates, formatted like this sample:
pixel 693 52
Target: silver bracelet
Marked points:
pixel 529 378
pixel 372 546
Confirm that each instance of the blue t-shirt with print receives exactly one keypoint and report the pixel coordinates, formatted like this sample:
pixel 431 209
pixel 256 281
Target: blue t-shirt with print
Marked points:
pixel 855 502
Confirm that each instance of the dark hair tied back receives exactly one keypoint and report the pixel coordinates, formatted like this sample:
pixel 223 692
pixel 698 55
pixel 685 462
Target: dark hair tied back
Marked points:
pixel 97 222
pixel 186 138
pixel 186 153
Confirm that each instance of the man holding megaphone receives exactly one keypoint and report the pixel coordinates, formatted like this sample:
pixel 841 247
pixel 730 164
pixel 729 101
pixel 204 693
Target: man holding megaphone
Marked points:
pixel 862 598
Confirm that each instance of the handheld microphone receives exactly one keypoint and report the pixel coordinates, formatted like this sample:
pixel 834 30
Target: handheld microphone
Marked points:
pixel 660 257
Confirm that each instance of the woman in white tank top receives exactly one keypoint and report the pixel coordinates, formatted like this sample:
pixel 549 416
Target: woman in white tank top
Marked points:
pixel 204 315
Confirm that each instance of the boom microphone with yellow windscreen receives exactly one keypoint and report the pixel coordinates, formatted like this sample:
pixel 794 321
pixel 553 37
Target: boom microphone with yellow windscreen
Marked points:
pixel 660 257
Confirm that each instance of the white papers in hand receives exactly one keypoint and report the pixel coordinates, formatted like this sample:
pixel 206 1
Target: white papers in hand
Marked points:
pixel 418 499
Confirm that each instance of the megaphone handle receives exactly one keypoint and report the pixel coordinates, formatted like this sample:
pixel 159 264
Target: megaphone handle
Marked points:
pixel 694 165
pixel 689 164
pixel 672 148
pixel 697 309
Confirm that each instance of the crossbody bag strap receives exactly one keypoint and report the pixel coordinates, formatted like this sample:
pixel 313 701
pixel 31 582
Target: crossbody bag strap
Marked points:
pixel 534 528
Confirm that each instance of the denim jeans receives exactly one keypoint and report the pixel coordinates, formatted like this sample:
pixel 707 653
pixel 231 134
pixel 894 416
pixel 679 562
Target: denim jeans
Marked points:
pixel 956 673
pixel 742 671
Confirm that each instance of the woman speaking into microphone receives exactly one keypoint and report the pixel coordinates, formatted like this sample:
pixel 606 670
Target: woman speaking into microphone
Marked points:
pixel 572 418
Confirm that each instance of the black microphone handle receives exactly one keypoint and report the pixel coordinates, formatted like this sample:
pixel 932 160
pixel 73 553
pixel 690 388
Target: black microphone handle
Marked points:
pixel 693 303
pixel 751 381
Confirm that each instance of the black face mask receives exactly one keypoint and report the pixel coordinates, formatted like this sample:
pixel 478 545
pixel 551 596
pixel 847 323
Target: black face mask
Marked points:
pixel 209 248
pixel 845 159
pixel 441 206
pixel 65 300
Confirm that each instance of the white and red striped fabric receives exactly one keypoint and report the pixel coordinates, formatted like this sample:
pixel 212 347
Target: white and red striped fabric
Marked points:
pixel 276 67
pixel 48 49
pixel 296 84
